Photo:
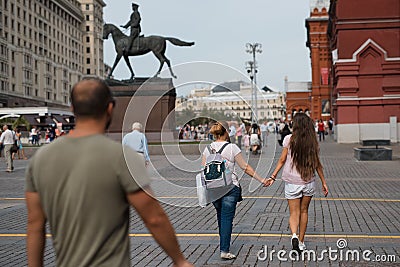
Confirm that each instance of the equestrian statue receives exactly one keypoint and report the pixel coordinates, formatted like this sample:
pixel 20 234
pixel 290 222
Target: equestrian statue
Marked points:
pixel 136 45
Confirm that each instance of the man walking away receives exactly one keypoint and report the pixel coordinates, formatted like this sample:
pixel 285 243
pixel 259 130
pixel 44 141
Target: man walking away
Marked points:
pixel 85 191
pixel 264 133
pixel 137 141
pixel 7 138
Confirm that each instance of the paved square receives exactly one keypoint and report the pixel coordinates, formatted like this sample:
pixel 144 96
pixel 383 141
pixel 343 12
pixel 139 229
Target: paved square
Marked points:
pixel 362 208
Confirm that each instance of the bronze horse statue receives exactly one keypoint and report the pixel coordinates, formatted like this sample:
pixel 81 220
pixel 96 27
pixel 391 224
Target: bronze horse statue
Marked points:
pixel 140 46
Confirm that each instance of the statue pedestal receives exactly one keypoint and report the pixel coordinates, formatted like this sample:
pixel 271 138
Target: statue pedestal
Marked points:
pixel 150 101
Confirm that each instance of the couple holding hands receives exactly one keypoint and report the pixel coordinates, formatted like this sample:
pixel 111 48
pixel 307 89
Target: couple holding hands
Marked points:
pixel 300 161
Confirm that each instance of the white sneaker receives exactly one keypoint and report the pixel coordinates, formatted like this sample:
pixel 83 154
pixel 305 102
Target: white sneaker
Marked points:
pixel 295 242
pixel 227 256
pixel 302 246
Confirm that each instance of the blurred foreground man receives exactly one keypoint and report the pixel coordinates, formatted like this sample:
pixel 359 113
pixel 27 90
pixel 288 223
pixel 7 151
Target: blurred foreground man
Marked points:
pixel 82 185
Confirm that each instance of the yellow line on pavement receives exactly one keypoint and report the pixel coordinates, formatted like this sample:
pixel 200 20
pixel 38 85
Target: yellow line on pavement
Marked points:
pixel 266 197
pixel 18 235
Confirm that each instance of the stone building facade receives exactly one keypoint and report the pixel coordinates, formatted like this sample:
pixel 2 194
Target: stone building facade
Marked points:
pixel 45 47
pixel 234 99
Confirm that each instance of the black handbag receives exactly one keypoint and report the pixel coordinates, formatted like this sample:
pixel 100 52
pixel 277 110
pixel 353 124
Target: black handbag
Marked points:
pixel 14 148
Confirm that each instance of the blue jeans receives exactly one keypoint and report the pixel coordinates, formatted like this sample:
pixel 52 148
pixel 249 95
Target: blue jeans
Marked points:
pixel 226 207
pixel 321 133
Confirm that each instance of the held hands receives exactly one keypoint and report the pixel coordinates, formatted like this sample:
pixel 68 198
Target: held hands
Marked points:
pixel 268 181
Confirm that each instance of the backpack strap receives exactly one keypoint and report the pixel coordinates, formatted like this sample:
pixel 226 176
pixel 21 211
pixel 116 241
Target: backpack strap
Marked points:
pixel 222 148
pixel 211 150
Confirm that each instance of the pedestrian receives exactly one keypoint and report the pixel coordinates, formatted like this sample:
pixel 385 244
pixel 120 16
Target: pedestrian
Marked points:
pixel 52 134
pixel 7 139
pixel 321 130
pixel 246 142
pixel 284 132
pixel 137 141
pixel 226 205
pixel 264 133
pixel 239 135
pixel 21 152
pixel 300 160
pixel 34 135
pixel 86 190
pixel 232 133
pixel 276 124
pixel 255 138
pixel 330 126
pixel 1 144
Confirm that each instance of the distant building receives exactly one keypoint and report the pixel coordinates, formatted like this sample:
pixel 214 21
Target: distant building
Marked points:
pixel 45 47
pixel 234 99
pixel 318 43
pixel 298 98
pixel 365 41
pixel 92 29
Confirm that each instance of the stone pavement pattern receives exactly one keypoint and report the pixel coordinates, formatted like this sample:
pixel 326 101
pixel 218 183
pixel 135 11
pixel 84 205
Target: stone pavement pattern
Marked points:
pixel 363 207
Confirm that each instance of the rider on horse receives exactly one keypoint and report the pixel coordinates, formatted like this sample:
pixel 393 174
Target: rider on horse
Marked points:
pixel 134 23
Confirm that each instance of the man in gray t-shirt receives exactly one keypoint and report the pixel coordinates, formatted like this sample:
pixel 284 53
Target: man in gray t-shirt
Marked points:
pixel 83 184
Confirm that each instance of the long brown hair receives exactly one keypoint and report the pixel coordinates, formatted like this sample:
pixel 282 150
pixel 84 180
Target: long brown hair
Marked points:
pixel 304 146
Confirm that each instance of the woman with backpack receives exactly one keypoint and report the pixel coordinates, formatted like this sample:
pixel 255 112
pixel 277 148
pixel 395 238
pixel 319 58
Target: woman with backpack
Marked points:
pixel 226 205
pixel 300 160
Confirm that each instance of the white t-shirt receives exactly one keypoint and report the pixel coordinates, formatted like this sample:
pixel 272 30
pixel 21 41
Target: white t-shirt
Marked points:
pixel 229 153
pixel 7 137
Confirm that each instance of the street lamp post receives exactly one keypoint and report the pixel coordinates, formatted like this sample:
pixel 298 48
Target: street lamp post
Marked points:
pixel 252 70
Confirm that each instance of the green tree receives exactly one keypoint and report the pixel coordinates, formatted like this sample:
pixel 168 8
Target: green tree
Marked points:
pixel 185 116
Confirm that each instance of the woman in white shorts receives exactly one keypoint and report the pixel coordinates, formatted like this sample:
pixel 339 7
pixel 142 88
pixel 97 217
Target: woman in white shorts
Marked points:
pixel 300 160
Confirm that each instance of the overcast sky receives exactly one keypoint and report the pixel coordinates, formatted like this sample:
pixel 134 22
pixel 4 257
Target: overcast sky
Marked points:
pixel 221 30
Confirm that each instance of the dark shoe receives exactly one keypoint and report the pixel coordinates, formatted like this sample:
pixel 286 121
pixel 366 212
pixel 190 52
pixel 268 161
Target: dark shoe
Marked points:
pixel 295 243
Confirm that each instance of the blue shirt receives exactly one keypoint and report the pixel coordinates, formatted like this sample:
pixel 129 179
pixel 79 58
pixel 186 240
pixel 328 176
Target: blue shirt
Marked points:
pixel 138 142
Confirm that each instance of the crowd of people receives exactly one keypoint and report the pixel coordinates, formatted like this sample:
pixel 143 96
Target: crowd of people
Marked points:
pixel 94 181
pixel 252 136
pixel 12 145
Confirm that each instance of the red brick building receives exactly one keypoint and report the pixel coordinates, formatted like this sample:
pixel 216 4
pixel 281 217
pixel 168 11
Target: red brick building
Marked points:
pixel 365 44
pixel 318 43
pixel 298 96
pixel 313 97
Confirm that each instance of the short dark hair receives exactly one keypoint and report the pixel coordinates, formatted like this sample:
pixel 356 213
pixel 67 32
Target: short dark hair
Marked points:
pixel 90 98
